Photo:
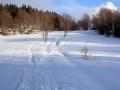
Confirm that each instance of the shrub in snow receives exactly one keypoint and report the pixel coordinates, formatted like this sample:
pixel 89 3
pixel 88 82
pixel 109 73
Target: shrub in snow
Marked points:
pixel 85 53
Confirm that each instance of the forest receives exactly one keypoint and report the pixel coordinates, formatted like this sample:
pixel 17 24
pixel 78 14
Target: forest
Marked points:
pixel 26 20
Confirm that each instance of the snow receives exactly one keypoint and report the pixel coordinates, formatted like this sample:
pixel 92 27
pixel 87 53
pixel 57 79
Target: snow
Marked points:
pixel 27 63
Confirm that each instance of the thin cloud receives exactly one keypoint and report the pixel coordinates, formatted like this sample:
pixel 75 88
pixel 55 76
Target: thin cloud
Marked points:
pixel 78 10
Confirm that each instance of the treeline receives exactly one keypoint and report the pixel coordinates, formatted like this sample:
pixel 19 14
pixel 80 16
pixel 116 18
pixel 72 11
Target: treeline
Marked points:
pixel 26 20
pixel 106 21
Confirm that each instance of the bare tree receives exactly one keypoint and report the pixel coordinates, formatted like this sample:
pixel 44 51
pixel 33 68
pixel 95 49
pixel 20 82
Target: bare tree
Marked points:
pixel 5 18
pixel 23 20
pixel 66 23
pixel 116 23
pixel 5 22
pixel 85 21
pixel 103 21
pixel 47 25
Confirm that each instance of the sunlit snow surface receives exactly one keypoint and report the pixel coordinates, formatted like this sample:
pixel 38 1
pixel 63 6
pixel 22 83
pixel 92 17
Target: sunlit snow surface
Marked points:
pixel 27 63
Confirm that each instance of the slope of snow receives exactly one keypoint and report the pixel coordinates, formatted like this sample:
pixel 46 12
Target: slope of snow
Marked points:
pixel 27 63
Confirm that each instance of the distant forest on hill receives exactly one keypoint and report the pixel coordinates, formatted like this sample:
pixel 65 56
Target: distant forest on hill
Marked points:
pixel 26 20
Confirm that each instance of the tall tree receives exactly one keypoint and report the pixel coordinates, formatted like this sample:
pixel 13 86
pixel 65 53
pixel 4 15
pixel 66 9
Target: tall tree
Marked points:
pixel 103 21
pixel 56 21
pixel 66 23
pixel 85 21
pixel 5 18
pixel 116 23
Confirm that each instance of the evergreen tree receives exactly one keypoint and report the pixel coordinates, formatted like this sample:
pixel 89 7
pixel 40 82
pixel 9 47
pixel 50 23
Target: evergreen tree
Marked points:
pixel 56 23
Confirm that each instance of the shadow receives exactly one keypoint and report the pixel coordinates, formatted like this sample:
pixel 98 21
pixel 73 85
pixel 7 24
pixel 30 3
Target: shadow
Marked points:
pixel 27 39
pixel 23 39
pixel 90 36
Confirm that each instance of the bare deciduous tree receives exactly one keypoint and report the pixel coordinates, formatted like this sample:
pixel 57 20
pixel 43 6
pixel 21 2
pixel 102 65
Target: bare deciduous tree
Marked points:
pixel 85 21
pixel 66 23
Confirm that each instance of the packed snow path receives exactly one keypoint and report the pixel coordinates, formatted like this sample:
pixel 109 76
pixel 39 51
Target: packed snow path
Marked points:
pixel 27 63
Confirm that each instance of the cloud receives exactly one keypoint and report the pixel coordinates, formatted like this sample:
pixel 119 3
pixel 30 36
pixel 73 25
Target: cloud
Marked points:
pixel 78 10
pixel 108 5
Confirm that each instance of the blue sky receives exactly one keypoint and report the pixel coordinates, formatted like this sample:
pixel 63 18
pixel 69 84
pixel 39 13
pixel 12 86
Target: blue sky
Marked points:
pixel 73 7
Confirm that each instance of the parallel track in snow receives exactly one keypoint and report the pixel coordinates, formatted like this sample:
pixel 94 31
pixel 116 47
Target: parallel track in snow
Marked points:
pixel 37 77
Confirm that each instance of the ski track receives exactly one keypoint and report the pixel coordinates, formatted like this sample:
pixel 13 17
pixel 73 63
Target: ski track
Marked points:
pixel 53 66
pixel 54 82
pixel 41 73
pixel 36 77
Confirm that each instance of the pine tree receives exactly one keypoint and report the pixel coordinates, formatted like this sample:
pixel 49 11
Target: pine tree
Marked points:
pixel 56 23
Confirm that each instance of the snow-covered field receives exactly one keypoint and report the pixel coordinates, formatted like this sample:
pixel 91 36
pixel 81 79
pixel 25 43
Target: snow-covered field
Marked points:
pixel 27 63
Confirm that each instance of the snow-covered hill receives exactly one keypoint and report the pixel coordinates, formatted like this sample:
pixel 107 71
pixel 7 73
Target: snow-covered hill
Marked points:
pixel 27 63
